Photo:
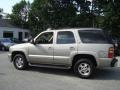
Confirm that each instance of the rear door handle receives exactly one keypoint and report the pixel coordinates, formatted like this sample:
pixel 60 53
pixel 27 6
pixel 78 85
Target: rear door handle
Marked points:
pixel 72 48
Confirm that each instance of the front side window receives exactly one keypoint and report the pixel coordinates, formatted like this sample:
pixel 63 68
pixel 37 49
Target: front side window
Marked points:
pixel 65 37
pixel 45 38
pixel 93 36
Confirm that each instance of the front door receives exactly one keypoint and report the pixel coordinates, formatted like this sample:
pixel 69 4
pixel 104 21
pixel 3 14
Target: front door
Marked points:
pixel 42 51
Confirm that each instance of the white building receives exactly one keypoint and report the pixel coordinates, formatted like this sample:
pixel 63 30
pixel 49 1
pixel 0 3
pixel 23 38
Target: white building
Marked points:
pixel 9 31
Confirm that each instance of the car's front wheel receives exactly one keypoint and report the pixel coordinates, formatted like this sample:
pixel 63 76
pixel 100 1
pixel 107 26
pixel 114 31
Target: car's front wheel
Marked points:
pixel 84 68
pixel 20 62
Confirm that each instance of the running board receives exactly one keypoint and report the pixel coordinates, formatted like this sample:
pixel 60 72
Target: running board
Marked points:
pixel 51 66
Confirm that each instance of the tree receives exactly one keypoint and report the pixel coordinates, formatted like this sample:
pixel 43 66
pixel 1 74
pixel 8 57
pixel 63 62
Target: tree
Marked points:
pixel 19 16
pixel 63 13
pixel 111 12
pixel 1 11
pixel 43 14
pixel 82 5
pixel 51 13
pixel 88 12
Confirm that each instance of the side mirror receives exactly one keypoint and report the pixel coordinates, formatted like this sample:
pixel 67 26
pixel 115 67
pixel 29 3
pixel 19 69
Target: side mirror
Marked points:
pixel 32 41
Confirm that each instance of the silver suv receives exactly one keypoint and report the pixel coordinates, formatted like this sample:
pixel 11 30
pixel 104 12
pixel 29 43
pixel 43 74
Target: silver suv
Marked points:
pixel 82 49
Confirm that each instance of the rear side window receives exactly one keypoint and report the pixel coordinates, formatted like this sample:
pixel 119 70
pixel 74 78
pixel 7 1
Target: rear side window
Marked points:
pixel 93 36
pixel 65 37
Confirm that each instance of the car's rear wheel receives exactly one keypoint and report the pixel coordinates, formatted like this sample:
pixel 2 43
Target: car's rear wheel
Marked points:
pixel 20 62
pixel 84 68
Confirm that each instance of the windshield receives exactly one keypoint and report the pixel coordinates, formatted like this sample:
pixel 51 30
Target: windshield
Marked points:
pixel 93 36
pixel 5 40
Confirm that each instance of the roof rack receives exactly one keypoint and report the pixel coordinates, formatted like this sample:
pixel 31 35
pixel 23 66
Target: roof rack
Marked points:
pixel 49 29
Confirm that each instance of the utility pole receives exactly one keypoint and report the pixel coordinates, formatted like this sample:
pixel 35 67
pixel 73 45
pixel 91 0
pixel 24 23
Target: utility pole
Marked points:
pixel 92 12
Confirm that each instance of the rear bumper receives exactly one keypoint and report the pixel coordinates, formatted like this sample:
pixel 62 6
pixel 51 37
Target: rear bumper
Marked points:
pixel 114 62
pixel 107 62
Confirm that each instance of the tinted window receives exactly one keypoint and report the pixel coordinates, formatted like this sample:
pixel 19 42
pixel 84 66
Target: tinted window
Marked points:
pixel 8 34
pixel 93 36
pixel 65 37
pixel 26 34
pixel 45 38
pixel 5 40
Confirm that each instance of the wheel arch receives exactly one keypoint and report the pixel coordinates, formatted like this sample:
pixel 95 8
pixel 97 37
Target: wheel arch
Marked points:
pixel 79 56
pixel 17 52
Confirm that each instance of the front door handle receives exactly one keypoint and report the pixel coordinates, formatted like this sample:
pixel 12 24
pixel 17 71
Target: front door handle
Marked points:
pixel 49 48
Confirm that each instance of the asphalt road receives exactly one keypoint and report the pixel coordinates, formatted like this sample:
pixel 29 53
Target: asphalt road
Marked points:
pixel 36 78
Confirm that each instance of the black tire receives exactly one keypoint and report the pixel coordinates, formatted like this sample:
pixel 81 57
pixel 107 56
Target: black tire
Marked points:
pixel 20 62
pixel 84 68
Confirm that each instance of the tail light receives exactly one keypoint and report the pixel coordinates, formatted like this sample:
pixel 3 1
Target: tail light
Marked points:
pixel 111 52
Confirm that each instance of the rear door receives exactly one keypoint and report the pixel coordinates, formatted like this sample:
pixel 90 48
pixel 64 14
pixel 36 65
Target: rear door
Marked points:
pixel 65 44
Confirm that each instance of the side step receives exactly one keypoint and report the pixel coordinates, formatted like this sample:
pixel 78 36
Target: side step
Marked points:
pixel 50 66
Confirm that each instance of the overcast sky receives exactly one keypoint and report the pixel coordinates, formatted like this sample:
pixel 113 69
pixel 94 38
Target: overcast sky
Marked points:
pixel 7 4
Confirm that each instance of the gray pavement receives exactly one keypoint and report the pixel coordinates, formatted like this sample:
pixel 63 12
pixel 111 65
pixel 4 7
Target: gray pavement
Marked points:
pixel 36 78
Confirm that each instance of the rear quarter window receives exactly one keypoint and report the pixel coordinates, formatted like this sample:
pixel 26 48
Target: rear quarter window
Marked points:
pixel 93 36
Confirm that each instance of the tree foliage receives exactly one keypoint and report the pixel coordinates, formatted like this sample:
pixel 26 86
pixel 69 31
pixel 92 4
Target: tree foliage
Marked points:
pixel 111 10
pixel 1 11
pixel 42 14
pixel 19 15
pixel 51 13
